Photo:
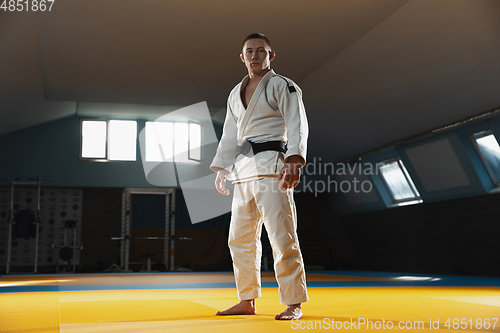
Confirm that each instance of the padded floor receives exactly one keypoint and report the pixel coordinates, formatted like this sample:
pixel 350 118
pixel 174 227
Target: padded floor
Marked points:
pixel 158 303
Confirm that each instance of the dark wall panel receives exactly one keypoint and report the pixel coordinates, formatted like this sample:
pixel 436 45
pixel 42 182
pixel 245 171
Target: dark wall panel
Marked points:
pixel 457 236
pixel 311 227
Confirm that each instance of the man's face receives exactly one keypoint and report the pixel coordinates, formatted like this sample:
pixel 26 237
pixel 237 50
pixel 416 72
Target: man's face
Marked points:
pixel 257 56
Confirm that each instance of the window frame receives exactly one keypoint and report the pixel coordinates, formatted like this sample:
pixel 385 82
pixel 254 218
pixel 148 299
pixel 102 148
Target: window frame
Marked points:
pixel 135 140
pixel 486 165
pixel 409 180
pixel 93 159
pixel 106 158
pixel 189 159
pixel 145 141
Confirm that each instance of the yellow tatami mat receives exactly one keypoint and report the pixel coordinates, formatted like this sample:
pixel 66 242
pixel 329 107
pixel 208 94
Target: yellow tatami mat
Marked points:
pixel 192 310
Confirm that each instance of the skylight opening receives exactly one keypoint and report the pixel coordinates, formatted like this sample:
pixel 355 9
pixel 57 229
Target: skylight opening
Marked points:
pixel 489 150
pixel 399 183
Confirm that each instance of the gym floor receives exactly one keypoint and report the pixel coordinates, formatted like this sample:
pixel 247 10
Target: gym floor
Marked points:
pixel 186 302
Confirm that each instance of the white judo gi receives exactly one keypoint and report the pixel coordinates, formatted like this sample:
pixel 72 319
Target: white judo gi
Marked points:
pixel 275 113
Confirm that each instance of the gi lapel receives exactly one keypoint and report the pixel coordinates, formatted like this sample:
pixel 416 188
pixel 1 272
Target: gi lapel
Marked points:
pixel 253 101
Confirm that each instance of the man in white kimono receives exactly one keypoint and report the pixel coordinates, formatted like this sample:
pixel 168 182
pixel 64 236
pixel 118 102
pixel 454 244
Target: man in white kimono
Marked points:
pixel 262 149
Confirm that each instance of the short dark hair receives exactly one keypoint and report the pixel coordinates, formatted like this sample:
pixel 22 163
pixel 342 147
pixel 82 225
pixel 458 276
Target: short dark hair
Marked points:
pixel 257 36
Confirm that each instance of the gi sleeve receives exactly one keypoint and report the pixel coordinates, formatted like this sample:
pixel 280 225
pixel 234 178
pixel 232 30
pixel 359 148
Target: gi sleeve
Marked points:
pixel 226 151
pixel 294 114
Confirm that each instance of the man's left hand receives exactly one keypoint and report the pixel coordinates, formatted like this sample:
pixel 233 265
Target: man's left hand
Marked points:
pixel 290 174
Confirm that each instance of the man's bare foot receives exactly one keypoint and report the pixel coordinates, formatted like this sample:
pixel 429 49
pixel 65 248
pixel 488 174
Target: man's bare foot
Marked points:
pixel 292 312
pixel 246 307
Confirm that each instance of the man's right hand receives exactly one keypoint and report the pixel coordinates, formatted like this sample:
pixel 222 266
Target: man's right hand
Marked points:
pixel 220 182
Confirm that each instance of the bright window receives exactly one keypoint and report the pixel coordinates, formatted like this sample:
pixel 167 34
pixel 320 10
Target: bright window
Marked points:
pixel 181 144
pixel 489 150
pixel 159 141
pixel 194 142
pixel 399 182
pixel 94 139
pixel 167 142
pixel 109 140
pixel 122 140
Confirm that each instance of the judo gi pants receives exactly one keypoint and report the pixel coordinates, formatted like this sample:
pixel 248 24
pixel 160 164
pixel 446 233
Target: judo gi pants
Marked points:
pixel 260 202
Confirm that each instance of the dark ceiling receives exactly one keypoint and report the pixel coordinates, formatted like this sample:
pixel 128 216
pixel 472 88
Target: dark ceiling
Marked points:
pixel 372 72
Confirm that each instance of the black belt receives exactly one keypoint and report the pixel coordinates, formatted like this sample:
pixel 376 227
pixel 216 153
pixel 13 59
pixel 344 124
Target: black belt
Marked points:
pixel 249 148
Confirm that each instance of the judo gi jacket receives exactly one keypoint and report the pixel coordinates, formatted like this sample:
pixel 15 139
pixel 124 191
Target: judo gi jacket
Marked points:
pixel 275 113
